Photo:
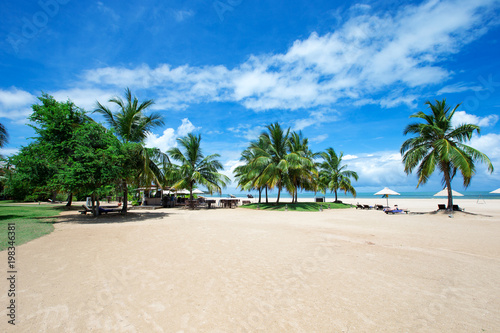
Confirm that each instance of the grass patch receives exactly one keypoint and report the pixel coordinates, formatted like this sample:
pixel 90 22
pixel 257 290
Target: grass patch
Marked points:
pixel 299 207
pixel 28 220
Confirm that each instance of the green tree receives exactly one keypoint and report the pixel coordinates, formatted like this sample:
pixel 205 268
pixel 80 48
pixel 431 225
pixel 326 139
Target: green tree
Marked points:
pixel 438 144
pixel 333 175
pixel 195 168
pixel 131 125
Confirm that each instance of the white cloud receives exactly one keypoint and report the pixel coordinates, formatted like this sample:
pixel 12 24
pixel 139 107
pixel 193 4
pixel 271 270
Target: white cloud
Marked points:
pixel 462 117
pixel 85 98
pixel 319 138
pixel 369 54
pixel 15 104
pixel 247 131
pixel 457 88
pixel 378 169
pixel 168 139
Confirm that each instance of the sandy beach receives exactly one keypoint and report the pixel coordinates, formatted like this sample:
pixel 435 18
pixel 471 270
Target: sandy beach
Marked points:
pixel 241 270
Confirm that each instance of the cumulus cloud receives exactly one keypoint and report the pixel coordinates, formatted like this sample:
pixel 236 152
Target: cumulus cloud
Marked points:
pixel 15 104
pixel 462 117
pixel 368 54
pixel 168 139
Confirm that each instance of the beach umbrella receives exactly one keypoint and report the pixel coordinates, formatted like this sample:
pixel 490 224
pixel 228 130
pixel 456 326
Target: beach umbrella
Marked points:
pixel 444 193
pixel 387 191
pixel 497 191
pixel 197 191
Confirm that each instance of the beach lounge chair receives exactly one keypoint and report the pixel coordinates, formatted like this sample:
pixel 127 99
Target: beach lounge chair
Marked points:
pixel 106 210
pixel 85 210
pixel 458 209
pixel 358 206
pixel 395 211
pixel 379 207
pixel 366 207
pixel 441 207
pixel 249 196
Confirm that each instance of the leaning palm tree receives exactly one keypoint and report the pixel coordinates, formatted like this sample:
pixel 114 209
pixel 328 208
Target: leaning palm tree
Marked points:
pixel 195 168
pixel 439 144
pixel 333 175
pixel 131 125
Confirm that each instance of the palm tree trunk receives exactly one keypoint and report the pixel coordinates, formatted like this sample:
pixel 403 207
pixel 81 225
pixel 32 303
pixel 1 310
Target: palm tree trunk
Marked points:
pixel 260 193
pixel 266 196
pixel 448 185
pixel 279 192
pixel 125 197
pixel 191 202
pixel 335 195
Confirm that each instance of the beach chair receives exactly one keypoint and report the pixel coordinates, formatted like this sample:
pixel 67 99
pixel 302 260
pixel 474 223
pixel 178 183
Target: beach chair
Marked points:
pixel 457 209
pixel 358 206
pixel 249 196
pixel 379 207
pixel 366 207
pixel 85 210
pixel 441 207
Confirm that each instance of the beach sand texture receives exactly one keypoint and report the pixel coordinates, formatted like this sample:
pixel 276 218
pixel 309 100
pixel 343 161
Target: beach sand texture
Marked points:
pixel 240 270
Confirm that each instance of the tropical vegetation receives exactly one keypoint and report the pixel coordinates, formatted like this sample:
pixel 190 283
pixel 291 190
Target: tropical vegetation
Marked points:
pixel 439 144
pixel 196 168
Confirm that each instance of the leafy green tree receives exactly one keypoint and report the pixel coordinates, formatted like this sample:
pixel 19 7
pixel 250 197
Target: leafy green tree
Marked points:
pixel 98 159
pixel 131 125
pixel 195 168
pixel 438 144
pixel 333 175
pixel 31 173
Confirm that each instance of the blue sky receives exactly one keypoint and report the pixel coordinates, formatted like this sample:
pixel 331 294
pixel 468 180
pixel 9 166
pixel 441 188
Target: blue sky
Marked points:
pixel 347 75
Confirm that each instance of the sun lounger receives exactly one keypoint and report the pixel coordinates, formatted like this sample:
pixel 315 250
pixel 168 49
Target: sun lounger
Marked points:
pixel 396 211
pixel 441 207
pixel 106 210
pixel 358 206
pixel 366 207
pixel 458 209
pixel 85 210
pixel 379 207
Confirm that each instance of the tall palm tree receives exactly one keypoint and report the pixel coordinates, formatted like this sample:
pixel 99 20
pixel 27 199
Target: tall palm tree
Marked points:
pixel 131 125
pixel 4 136
pixel 333 175
pixel 249 175
pixel 304 173
pixel 439 144
pixel 195 168
pixel 275 159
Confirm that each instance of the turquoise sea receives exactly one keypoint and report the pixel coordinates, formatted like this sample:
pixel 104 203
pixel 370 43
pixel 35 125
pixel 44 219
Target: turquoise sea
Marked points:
pixel 406 195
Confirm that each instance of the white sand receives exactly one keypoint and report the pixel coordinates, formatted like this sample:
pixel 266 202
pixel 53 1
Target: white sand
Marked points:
pixel 239 270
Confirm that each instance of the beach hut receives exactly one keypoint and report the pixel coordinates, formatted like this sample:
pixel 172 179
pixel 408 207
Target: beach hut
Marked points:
pixel 386 192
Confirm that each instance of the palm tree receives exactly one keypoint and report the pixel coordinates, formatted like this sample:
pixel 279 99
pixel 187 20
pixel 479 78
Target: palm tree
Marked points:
pixel 333 175
pixel 249 175
pixel 195 168
pixel 132 126
pixel 304 173
pixel 439 144
pixel 275 158
pixel 4 136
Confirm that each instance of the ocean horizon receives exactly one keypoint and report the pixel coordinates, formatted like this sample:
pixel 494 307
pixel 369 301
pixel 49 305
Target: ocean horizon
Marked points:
pixel 479 195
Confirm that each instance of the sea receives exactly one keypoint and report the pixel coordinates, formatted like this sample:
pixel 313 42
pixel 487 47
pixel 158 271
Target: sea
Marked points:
pixel 477 195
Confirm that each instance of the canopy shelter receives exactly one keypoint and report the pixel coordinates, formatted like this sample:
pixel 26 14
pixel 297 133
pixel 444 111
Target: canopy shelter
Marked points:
pixel 444 193
pixel 386 192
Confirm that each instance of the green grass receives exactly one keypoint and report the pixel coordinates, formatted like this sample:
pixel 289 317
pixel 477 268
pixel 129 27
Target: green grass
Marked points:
pixel 299 207
pixel 28 221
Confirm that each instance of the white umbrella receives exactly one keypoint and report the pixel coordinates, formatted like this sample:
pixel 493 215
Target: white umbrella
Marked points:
pixel 387 191
pixel 444 193
pixel 197 191
pixel 496 191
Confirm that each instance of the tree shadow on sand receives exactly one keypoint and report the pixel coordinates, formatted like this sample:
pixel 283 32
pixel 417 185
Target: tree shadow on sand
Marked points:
pixel 111 218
